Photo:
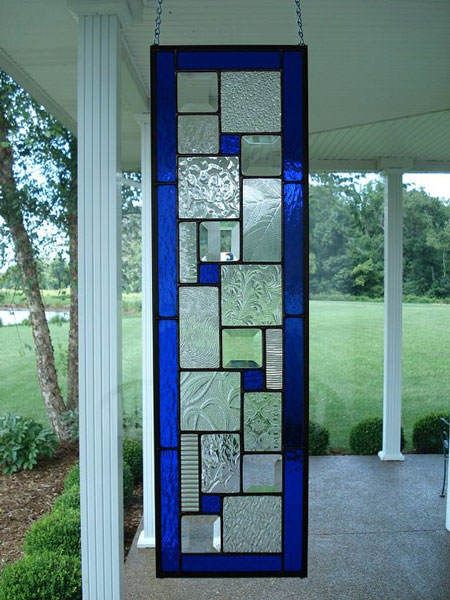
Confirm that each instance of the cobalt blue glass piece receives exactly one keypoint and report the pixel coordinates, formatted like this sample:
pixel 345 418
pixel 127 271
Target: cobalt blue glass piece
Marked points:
pixel 209 273
pixel 168 382
pixel 226 59
pixel 294 383
pixel 253 381
pixel 167 250
pixel 166 133
pixel 210 505
pixel 293 249
pixel 294 139
pixel 170 508
pixel 230 145
pixel 293 510
pixel 238 563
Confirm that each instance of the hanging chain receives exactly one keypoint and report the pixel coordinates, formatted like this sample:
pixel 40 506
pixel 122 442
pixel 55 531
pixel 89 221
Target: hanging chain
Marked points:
pixel 298 10
pixel 158 6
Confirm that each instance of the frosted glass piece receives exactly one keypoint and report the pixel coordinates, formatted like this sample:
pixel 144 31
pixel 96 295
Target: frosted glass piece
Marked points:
pixel 262 473
pixel 199 327
pixel 219 241
pixel 274 359
pixel 242 348
pixel 200 533
pixel 262 220
pixel 188 252
pixel 261 155
pixel 208 187
pixel 262 421
pixel 210 400
pixel 252 524
pixel 197 92
pixel 198 134
pixel 251 101
pixel 220 463
pixel 189 473
pixel 251 295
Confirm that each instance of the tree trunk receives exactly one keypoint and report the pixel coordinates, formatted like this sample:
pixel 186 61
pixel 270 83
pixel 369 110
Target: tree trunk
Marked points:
pixel 72 352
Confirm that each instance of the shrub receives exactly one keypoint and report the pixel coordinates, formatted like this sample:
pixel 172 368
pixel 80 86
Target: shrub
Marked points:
pixel 22 442
pixel 72 482
pixel 72 479
pixel 57 532
pixel 132 455
pixel 427 433
pixel 58 320
pixel 318 439
pixel 367 436
pixel 47 576
pixel 70 499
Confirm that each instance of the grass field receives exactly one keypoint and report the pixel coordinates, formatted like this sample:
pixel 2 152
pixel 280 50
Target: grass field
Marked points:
pixel 346 362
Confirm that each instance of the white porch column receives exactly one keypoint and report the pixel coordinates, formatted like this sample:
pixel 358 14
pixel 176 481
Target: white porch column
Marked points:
pixel 447 519
pixel 393 283
pixel 147 536
pixel 99 306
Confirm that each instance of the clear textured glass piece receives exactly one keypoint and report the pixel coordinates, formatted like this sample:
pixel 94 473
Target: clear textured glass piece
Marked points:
pixel 251 101
pixel 242 348
pixel 220 463
pixel 198 134
pixel 197 92
pixel 200 533
pixel 262 421
pixel 251 295
pixel 262 220
pixel 261 155
pixel 274 359
pixel 210 401
pixel 189 473
pixel 262 473
pixel 208 187
pixel 188 252
pixel 219 241
pixel 199 327
pixel 252 524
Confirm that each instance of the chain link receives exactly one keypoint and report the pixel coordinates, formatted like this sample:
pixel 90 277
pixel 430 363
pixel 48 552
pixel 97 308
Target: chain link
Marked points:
pixel 298 9
pixel 158 7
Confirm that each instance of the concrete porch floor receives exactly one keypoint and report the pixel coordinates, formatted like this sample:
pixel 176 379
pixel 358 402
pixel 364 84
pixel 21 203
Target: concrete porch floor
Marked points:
pixel 376 533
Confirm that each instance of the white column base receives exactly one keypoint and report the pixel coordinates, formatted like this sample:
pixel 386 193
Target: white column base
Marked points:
pixel 382 455
pixel 145 542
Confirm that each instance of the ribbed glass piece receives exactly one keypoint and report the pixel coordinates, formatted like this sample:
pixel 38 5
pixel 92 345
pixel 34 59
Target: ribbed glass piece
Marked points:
pixel 208 187
pixel 220 463
pixel 274 359
pixel 189 473
pixel 199 327
pixel 262 421
pixel 251 101
pixel 262 473
pixel 200 533
pixel 210 400
pixel 262 220
pixel 252 524
pixel 251 295
pixel 242 348
pixel 198 134
pixel 261 155
pixel 219 241
pixel 188 252
pixel 197 92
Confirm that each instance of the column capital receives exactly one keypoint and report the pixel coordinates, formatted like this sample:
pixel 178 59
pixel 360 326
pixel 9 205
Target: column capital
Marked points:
pixel 127 11
pixel 397 165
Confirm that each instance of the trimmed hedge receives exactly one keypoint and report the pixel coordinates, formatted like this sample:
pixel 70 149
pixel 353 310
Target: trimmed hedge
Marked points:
pixel 56 532
pixel 70 499
pixel 72 482
pixel 133 455
pixel 319 439
pixel 72 478
pixel 47 576
pixel 366 437
pixel 427 433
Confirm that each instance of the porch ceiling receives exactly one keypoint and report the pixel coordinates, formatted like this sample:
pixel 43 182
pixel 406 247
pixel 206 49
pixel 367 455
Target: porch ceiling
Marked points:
pixel 379 72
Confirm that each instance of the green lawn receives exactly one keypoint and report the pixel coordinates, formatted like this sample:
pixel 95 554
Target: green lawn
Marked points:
pixel 346 364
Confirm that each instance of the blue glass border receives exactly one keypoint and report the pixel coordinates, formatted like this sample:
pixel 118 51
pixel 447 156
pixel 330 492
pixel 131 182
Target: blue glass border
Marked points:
pixel 228 59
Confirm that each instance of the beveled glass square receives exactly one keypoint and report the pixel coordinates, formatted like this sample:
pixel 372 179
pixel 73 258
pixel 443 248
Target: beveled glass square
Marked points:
pixel 262 473
pixel 198 134
pixel 200 533
pixel 242 348
pixel 197 92
pixel 219 241
pixel 261 155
